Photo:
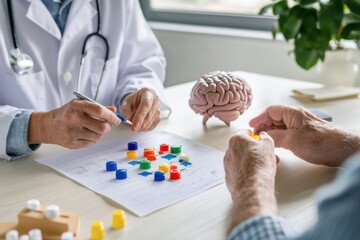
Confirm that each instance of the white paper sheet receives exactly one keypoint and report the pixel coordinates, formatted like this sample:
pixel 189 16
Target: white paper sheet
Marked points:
pixel 139 194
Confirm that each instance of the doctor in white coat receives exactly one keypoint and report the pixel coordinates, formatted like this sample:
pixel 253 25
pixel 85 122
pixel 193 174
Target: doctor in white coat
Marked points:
pixel 39 107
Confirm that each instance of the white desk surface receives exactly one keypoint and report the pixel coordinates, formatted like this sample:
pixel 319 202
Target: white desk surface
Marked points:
pixel 204 216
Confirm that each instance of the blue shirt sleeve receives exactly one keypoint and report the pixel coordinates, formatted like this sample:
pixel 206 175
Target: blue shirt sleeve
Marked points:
pixel 17 138
pixel 338 213
pixel 262 227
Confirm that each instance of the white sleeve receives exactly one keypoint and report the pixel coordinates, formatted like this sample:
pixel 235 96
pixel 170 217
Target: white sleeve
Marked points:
pixel 7 114
pixel 142 61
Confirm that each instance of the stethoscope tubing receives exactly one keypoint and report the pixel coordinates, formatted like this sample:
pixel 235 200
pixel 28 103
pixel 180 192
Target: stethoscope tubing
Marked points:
pixel 12 25
pixel 83 50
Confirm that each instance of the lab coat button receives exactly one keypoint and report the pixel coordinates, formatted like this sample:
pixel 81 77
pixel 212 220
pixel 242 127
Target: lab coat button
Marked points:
pixel 67 77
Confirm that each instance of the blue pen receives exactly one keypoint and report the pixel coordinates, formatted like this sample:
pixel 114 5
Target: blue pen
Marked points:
pixel 83 97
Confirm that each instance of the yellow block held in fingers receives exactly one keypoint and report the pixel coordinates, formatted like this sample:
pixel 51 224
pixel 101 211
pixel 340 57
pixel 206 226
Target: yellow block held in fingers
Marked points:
pixel 253 135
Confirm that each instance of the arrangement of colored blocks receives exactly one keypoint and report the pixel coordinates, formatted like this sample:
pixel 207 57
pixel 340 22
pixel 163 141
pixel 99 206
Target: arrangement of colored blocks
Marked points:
pixel 132 147
pixel 145 164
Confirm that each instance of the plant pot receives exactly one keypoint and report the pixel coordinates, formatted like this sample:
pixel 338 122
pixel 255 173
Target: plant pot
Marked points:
pixel 338 68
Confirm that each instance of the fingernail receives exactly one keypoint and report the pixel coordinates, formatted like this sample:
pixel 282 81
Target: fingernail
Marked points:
pixel 136 126
pixel 263 134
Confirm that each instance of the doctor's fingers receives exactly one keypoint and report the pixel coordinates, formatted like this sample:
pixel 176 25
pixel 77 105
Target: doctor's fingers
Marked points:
pixel 81 143
pixel 81 133
pixel 151 120
pixel 100 112
pixel 96 125
pixel 145 107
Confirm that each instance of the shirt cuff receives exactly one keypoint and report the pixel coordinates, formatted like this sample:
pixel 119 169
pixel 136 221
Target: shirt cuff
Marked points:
pixel 17 138
pixel 262 227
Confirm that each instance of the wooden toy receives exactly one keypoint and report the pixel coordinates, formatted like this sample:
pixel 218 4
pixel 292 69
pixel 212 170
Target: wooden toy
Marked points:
pixel 51 228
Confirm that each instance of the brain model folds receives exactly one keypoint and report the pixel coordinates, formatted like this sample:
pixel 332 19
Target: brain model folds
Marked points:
pixel 221 94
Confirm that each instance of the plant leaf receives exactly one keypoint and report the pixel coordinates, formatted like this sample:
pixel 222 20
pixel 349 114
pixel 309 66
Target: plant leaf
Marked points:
pixel 351 31
pixel 306 58
pixel 353 5
pixel 330 16
pixel 291 24
pixel 309 49
pixel 275 29
pixel 310 20
pixel 307 2
pixel 281 7
pixel 266 8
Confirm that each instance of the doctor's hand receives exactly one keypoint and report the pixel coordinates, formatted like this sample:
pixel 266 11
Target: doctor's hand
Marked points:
pixel 76 124
pixel 307 136
pixel 142 108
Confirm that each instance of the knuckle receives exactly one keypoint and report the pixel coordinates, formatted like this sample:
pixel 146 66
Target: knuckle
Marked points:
pixel 104 128
pixel 145 89
pixel 148 102
pixel 74 103
pixel 98 110
pixel 233 140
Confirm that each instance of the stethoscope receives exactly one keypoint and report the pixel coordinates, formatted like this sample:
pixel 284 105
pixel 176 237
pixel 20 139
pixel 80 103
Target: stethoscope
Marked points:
pixel 22 63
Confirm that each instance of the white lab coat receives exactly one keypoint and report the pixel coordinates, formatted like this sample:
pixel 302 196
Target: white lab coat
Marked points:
pixel 135 57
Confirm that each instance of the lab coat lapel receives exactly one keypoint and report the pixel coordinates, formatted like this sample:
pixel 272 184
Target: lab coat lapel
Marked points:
pixel 40 15
pixel 80 15
pixel 79 24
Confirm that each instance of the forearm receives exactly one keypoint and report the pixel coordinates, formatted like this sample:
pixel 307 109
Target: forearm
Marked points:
pixel 255 196
pixel 342 145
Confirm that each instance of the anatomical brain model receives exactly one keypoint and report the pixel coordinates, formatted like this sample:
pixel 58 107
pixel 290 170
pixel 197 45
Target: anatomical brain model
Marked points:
pixel 221 94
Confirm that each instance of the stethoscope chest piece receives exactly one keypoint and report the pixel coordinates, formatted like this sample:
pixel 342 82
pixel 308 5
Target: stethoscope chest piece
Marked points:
pixel 20 62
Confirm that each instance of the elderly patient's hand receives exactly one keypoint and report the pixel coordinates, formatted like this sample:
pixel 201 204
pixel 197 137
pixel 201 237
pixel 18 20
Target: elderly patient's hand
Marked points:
pixel 142 108
pixel 307 136
pixel 76 124
pixel 250 168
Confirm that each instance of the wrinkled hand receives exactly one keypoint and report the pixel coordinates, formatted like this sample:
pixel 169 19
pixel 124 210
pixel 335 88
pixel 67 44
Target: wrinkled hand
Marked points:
pixel 250 168
pixel 246 158
pixel 142 108
pixel 76 124
pixel 307 136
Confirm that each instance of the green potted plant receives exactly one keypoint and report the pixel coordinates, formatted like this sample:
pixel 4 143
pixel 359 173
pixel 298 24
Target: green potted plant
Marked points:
pixel 315 26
